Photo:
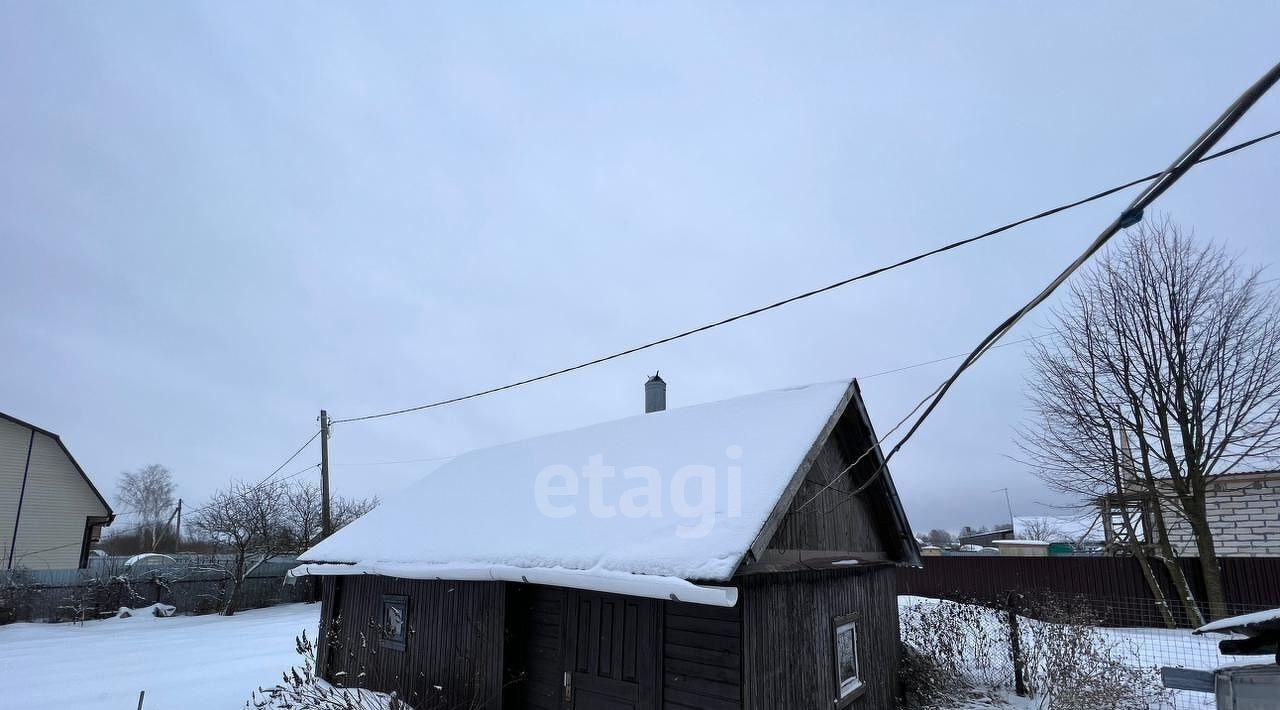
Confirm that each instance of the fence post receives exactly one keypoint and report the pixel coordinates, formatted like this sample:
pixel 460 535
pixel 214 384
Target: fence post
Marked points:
pixel 1015 648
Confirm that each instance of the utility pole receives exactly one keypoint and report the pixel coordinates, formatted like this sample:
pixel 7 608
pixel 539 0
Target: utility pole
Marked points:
pixel 177 531
pixel 1007 504
pixel 326 521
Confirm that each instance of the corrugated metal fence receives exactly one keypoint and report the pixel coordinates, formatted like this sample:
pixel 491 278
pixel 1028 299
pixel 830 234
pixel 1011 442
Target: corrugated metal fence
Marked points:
pixel 1250 583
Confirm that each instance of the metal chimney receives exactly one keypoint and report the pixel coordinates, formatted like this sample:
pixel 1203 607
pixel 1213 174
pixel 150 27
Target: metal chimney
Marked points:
pixel 655 394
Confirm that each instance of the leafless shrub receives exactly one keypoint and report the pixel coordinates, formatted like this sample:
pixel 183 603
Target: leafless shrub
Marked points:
pixel 1075 666
pixel 926 684
pixel 19 594
pixel 967 649
pixel 302 690
pixel 957 640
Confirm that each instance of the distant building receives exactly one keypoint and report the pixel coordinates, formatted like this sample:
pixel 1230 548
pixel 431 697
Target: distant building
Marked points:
pixel 1243 511
pixel 984 539
pixel 50 512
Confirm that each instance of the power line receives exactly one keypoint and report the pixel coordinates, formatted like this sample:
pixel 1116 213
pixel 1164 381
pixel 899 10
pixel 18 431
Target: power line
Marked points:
pixel 393 463
pixel 801 296
pixel 1127 218
pixel 305 444
pixel 860 378
pixel 953 357
pixel 1130 216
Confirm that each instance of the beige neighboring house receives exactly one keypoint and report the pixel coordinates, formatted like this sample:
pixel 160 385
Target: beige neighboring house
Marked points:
pixel 50 512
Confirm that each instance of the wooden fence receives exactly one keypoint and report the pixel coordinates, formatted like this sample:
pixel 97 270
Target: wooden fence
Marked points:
pixel 1112 587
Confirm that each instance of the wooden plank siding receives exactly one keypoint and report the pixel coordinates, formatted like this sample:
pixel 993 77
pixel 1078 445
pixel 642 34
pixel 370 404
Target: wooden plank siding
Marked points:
pixel 700 664
pixel 701 657
pixel 833 520
pixel 788 644
pixel 454 640
pixel 535 647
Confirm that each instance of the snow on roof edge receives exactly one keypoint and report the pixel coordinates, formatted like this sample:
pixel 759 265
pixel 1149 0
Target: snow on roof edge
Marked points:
pixel 640 585
pixel 1244 620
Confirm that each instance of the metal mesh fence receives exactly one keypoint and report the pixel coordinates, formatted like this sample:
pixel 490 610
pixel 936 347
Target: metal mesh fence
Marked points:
pixel 1069 650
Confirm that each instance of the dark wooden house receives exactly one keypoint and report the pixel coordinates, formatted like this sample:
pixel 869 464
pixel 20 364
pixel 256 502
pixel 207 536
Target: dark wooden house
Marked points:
pixel 470 591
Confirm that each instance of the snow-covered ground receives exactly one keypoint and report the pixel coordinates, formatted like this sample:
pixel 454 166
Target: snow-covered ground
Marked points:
pixel 214 662
pixel 183 662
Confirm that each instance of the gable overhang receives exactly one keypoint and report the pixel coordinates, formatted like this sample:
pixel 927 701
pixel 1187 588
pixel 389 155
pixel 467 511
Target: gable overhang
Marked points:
pixel 103 519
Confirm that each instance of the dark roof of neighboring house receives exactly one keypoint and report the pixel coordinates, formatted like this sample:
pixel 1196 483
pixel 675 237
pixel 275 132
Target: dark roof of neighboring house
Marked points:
pixel 110 514
pixel 986 533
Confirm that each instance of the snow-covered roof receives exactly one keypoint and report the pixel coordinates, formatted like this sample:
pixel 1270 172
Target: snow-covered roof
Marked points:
pixel 1269 618
pixel 656 499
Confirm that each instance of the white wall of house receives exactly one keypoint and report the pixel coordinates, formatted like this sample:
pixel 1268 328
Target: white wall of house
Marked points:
pixel 1244 514
pixel 54 508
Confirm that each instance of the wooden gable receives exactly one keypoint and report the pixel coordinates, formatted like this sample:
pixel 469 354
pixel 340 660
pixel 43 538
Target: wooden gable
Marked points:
pixel 821 522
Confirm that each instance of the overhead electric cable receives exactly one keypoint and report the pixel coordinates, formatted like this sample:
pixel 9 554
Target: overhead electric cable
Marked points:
pixel 1130 216
pixel 801 296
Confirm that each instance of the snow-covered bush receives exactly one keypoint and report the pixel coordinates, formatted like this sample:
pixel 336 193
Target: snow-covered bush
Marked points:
pixel 302 690
pixel 1074 665
pixel 19 593
pixel 156 610
pixel 956 651
pixel 103 589
pixel 1065 659
pixel 925 684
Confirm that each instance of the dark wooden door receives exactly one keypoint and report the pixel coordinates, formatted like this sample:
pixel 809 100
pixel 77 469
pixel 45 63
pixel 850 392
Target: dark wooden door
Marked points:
pixel 611 652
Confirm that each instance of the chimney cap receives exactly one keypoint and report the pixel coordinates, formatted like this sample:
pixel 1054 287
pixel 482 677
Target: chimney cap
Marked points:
pixel 655 378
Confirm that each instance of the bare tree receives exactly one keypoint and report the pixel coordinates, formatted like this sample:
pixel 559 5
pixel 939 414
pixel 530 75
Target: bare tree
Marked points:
pixel 251 521
pixel 149 494
pixel 303 513
pixel 1164 374
pixel 346 510
pixel 939 537
pixel 1043 529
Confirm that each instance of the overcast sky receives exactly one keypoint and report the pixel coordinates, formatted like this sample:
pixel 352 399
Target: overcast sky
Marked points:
pixel 218 218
